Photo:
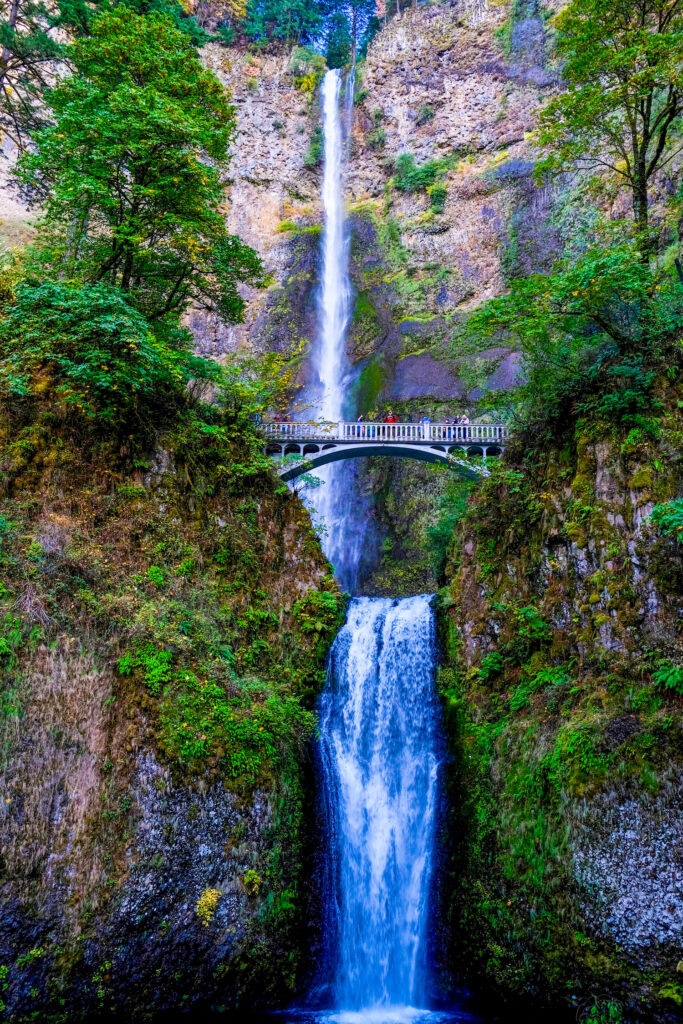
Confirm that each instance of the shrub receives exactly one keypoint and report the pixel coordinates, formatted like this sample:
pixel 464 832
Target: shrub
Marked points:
pixel 669 676
pixel 669 519
pixel 206 905
pixel 437 195
pixel 88 349
pixel 156 576
pixel 410 177
pixel 377 139
pixel 426 114
pixel 491 666
pixel 154 665
pixel 315 150
pixel 252 882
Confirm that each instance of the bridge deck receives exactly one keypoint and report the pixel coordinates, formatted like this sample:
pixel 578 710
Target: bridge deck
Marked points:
pixel 493 434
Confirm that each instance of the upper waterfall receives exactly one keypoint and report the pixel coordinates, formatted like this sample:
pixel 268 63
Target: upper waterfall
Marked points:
pixel 335 291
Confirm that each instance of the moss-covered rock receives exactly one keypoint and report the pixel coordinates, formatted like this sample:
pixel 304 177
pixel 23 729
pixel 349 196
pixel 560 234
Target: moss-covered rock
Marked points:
pixel 560 623
pixel 164 620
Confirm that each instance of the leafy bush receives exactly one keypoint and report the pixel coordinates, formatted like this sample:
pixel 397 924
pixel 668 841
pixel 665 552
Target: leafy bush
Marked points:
pixel 154 665
pixel 437 195
pixel 377 139
pixel 156 576
pixel 426 114
pixel 491 666
pixel 314 155
pixel 89 350
pixel 669 676
pixel 546 678
pixel 206 905
pixel 252 882
pixel 410 177
pixel 669 519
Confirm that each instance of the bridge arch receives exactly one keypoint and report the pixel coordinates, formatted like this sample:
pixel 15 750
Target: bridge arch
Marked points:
pixel 336 453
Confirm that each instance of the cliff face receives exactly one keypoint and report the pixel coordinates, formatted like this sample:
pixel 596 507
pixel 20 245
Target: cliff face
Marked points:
pixel 453 85
pixel 162 638
pixel 562 617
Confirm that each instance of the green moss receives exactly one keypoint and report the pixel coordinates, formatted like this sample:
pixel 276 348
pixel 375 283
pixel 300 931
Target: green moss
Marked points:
pixel 642 478
pixel 369 385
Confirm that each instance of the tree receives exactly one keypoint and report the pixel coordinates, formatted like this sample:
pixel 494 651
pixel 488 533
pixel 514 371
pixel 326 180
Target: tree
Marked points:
pixel 86 350
pixel 130 172
pixel 32 53
pixel 622 65
pixel 285 20
pixel 28 53
pixel 346 21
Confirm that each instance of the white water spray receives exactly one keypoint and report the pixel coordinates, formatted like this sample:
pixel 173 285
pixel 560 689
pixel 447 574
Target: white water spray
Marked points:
pixel 379 730
pixel 330 502
pixel 335 293
pixel 379 720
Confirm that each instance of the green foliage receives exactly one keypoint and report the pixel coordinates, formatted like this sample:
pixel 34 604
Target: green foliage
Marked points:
pixel 307 68
pixel 437 196
pixel 669 519
pixel 339 41
pixel 139 107
pixel 425 115
pixel 87 349
pixel 256 732
pixel 622 66
pixel 586 331
pixel 545 679
pixel 318 611
pixel 294 21
pixel 252 882
pixel 451 509
pixel 156 576
pixel 368 386
pixel 669 676
pixel 153 665
pixel 411 177
pixel 30 957
pixel 491 666
pixel 376 139
pixel 314 155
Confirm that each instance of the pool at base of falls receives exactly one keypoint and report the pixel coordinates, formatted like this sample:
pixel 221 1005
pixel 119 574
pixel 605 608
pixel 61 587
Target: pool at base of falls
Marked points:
pixel 373 1015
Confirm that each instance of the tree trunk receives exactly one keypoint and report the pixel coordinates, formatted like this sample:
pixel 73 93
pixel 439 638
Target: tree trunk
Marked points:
pixel 6 52
pixel 354 34
pixel 641 212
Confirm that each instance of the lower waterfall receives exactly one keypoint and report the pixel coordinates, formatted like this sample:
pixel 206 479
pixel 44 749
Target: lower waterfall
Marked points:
pixel 379 744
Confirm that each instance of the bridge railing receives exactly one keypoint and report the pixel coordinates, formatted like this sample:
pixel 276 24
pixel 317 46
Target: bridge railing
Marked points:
pixel 408 433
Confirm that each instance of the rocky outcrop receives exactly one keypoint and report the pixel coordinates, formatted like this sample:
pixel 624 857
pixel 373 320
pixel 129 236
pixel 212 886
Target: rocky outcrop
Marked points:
pixel 162 638
pixel 561 615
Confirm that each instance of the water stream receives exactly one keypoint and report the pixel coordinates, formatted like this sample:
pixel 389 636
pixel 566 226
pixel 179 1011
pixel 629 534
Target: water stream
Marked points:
pixel 379 715
pixel 379 730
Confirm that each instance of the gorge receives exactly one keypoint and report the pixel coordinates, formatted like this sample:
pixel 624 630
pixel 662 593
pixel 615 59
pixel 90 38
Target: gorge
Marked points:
pixel 387 740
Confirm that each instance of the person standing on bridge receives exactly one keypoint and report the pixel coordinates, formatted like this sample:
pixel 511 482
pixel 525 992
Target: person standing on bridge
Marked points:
pixel 425 421
pixel 360 431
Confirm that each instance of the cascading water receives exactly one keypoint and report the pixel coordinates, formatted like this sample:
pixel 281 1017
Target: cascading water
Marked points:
pixel 330 502
pixel 379 729
pixel 379 723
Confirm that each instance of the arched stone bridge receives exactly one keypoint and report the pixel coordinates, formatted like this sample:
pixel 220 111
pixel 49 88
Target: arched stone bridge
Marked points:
pixel 321 443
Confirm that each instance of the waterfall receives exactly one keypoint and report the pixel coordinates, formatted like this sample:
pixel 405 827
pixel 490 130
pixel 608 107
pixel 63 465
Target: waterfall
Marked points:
pixel 335 293
pixel 379 721
pixel 330 502
pixel 379 728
